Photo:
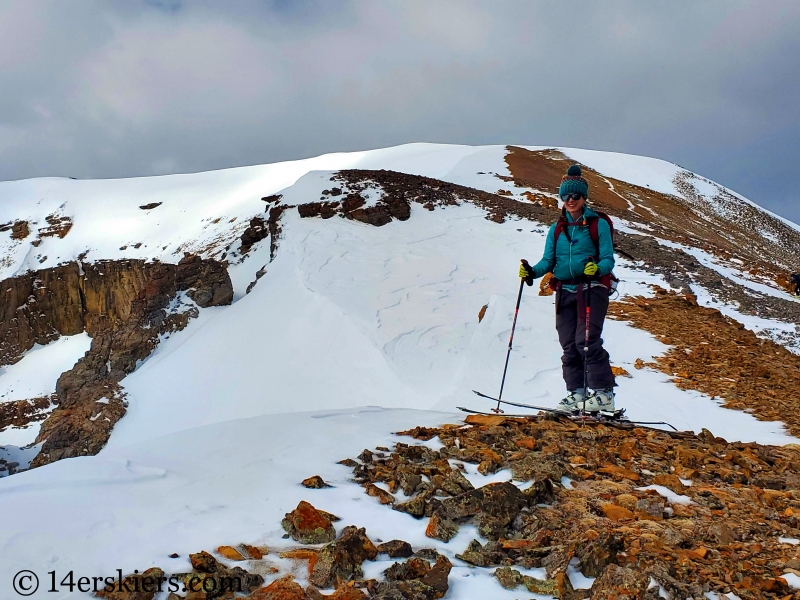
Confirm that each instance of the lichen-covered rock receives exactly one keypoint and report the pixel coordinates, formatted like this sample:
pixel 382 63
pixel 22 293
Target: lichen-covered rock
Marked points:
pixel 415 579
pixel 607 520
pixel 495 504
pixel 383 496
pixel 407 480
pixel 558 587
pixel 538 466
pixel 340 561
pixel 617 513
pixel 224 579
pixel 651 509
pixel 441 528
pixel 671 482
pixel 598 553
pixel 413 568
pixel 620 583
pixel 483 556
pixel 143 586
pixel 437 577
pixel 230 553
pixel 396 549
pixel 284 588
pixel 414 507
pixel 308 525
pixel 347 592
pixel 315 482
pixel 255 552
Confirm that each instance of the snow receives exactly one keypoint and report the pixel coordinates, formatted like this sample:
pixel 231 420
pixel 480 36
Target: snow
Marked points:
pixel 667 493
pixel 792 579
pixel 172 494
pixel 352 333
pixel 662 593
pixel 736 275
pixel 578 580
pixel 351 315
pixel 35 374
pixel 198 212
pixel 639 170
pixel 21 455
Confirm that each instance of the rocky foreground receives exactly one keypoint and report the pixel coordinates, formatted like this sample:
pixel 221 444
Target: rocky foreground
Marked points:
pixel 646 513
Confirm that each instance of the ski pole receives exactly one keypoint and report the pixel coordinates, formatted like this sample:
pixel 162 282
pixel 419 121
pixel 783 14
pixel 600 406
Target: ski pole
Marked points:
pixel 510 341
pixel 587 302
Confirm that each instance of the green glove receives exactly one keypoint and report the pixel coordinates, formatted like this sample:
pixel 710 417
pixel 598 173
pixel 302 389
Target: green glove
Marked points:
pixel 590 269
pixel 523 272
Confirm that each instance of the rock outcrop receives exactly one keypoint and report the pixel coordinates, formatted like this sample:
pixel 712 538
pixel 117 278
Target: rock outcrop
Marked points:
pixel 123 305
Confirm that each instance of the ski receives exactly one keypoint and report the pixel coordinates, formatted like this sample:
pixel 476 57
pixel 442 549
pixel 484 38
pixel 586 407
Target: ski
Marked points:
pixel 521 405
pixel 491 414
pixel 581 418
pixel 617 417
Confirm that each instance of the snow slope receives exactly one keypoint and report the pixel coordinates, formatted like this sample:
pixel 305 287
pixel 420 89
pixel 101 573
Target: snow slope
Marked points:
pixel 352 333
pixel 351 315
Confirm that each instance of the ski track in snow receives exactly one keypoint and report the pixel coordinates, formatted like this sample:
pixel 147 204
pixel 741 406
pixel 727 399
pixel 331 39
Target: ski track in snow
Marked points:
pixel 353 332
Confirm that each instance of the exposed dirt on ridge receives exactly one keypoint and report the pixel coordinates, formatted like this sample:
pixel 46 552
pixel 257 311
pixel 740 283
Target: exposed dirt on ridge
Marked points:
pixel 718 356
pixel 400 189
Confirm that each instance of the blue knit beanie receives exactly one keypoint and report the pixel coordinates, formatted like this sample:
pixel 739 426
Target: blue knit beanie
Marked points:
pixel 574 183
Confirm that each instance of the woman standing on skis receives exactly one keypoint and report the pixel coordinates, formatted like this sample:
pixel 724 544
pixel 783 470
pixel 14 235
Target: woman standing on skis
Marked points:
pixel 579 251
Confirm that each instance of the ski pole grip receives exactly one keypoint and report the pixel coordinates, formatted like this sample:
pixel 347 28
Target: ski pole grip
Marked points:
pixel 524 262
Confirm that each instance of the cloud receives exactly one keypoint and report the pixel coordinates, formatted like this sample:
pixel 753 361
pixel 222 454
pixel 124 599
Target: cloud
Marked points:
pixel 104 89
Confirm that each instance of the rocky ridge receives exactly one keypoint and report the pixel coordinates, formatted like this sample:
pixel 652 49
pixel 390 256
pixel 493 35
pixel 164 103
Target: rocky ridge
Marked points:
pixel 627 506
pixel 714 354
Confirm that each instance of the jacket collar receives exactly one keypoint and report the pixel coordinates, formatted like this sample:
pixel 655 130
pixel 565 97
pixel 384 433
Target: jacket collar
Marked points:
pixel 587 212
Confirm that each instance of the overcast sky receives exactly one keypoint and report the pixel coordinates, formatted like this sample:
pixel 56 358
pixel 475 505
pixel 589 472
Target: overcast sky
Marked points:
pixel 135 87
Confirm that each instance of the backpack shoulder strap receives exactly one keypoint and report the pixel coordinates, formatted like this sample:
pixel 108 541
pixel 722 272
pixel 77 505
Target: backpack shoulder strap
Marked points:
pixel 561 225
pixel 593 229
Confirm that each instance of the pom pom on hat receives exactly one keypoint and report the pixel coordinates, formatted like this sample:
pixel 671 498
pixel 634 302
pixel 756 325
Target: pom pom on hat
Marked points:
pixel 574 183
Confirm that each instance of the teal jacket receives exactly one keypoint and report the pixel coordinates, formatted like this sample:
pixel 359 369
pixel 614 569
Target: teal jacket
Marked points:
pixel 566 260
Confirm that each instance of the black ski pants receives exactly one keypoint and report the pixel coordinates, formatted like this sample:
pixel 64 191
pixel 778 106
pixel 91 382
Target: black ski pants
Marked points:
pixel 570 324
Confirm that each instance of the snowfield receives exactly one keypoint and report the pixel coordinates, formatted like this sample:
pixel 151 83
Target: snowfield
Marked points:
pixel 353 332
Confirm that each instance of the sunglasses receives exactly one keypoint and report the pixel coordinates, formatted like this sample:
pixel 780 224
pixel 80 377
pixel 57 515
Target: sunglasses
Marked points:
pixel 568 197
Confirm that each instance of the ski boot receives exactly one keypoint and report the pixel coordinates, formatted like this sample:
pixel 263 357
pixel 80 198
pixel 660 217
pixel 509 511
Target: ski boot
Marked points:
pixel 572 403
pixel 601 401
